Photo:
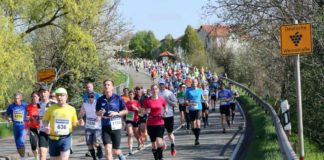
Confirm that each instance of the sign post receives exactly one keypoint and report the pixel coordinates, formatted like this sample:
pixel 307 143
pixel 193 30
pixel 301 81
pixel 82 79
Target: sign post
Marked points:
pixel 46 75
pixel 295 40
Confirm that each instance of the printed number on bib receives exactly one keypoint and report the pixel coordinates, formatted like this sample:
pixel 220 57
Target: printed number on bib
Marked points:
pixel 18 116
pixel 92 123
pixel 116 123
pixel 62 126
pixel 181 100
pixel 193 104
pixel 223 102
pixel 130 116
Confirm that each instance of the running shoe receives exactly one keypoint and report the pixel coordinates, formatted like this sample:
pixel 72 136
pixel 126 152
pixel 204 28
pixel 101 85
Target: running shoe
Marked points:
pixel 173 152
pixel 197 142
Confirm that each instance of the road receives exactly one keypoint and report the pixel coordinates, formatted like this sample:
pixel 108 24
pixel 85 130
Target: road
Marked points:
pixel 213 143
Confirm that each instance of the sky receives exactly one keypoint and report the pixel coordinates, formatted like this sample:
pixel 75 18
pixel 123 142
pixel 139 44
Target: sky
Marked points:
pixel 164 16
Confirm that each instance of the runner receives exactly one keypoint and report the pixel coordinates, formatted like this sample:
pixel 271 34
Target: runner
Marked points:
pixel 142 115
pixel 224 96
pixel 182 108
pixel 205 104
pixel 89 90
pixel 235 94
pixel 155 122
pixel 132 121
pixel 34 124
pixel 110 107
pixel 92 127
pixel 193 98
pixel 61 117
pixel 16 112
pixel 213 92
pixel 171 102
pixel 43 106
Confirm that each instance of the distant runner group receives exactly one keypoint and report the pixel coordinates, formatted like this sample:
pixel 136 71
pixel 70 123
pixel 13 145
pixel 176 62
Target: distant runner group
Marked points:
pixel 144 113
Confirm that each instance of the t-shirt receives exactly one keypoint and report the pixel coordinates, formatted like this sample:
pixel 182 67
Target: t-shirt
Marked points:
pixel 155 115
pixel 223 96
pixel 132 114
pixel 181 97
pixel 125 98
pixel 17 113
pixel 61 120
pixel 42 109
pixel 32 112
pixel 168 97
pixel 205 96
pixel 114 103
pixel 194 98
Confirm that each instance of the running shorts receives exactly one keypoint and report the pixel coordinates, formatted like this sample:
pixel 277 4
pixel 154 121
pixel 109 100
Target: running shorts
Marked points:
pixel 43 139
pixel 134 124
pixel 224 110
pixel 195 115
pixel 63 144
pixel 155 131
pixel 111 136
pixel 168 123
pixel 204 106
pixel 93 136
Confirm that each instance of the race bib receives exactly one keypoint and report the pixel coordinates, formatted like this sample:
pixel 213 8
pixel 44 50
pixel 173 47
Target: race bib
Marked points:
pixel 116 123
pixel 130 116
pixel 194 104
pixel 92 123
pixel 181 100
pixel 18 116
pixel 62 126
pixel 205 97
pixel 223 102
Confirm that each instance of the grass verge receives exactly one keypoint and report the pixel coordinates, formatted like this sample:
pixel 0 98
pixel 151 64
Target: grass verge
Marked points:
pixel 5 130
pixel 312 151
pixel 119 77
pixel 263 139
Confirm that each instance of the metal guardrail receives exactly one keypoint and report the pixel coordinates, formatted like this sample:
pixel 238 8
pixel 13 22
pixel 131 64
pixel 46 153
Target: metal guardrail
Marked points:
pixel 286 150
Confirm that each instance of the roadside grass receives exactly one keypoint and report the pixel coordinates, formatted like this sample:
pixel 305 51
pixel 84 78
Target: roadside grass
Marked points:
pixel 312 151
pixel 119 77
pixel 263 142
pixel 5 131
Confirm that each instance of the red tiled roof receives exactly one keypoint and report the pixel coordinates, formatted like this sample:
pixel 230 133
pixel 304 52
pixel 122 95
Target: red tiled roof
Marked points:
pixel 216 30
pixel 166 54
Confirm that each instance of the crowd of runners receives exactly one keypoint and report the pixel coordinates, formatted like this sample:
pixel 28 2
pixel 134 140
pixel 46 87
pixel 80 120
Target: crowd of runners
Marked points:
pixel 144 113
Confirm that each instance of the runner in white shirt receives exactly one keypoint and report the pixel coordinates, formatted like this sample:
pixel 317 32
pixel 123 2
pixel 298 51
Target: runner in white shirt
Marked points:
pixel 171 102
pixel 92 126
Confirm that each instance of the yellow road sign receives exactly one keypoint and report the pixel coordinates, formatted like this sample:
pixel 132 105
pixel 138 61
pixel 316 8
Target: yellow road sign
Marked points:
pixel 296 39
pixel 46 75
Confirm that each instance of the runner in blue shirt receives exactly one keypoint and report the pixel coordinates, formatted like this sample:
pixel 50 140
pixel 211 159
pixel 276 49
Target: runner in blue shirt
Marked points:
pixel 224 96
pixel 111 107
pixel 193 99
pixel 16 112
pixel 90 90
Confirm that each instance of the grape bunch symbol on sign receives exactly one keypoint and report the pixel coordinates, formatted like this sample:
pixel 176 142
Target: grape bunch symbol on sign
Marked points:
pixel 296 38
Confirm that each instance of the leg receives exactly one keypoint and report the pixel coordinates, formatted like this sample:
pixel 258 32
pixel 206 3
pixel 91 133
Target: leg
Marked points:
pixel 108 151
pixel 65 155
pixel 130 137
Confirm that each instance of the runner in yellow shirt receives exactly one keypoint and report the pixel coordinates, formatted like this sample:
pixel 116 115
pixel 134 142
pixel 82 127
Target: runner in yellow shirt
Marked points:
pixel 58 121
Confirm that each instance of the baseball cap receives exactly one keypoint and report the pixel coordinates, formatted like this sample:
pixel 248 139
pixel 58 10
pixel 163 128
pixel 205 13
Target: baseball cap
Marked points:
pixel 45 88
pixel 161 81
pixel 60 91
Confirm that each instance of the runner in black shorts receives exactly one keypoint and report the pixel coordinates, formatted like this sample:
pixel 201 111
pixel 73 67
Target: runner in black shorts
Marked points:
pixel 224 96
pixel 110 107
pixel 205 104
pixel 235 94
pixel 132 120
pixel 182 108
pixel 155 122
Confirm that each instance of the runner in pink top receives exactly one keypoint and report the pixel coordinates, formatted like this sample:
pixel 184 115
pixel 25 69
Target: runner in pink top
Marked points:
pixel 155 122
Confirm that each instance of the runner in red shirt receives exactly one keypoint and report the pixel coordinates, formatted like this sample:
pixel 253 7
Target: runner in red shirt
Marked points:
pixel 34 124
pixel 132 122
pixel 155 122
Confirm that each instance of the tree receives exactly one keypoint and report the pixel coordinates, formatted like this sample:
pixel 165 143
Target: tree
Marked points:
pixel 16 63
pixel 193 47
pixel 142 43
pixel 167 44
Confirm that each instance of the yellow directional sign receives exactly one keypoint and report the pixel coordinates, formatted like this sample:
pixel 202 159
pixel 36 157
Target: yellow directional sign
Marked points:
pixel 46 75
pixel 296 39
